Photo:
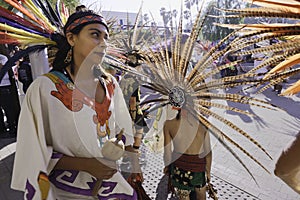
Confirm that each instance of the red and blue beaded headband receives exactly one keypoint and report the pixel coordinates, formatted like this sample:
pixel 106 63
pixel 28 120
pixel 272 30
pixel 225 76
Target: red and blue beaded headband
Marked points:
pixel 88 19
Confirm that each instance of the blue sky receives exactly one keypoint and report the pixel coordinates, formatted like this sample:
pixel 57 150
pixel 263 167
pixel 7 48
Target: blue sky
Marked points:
pixel 133 5
pixel 152 6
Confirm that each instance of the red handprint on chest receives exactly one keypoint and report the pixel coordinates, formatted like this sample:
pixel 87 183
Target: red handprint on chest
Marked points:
pixel 74 99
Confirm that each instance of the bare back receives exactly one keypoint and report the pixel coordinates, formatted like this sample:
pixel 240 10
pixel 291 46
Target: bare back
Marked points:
pixel 187 135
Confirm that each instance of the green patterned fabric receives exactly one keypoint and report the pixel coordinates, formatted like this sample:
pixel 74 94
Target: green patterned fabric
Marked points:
pixel 186 180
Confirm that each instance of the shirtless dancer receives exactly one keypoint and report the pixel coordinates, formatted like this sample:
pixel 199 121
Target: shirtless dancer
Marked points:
pixel 188 163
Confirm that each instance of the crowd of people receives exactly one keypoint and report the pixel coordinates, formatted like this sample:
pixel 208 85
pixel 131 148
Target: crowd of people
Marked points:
pixel 69 113
pixel 19 74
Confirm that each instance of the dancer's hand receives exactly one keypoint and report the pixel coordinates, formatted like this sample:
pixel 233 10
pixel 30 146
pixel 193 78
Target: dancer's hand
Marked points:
pixel 136 177
pixel 101 168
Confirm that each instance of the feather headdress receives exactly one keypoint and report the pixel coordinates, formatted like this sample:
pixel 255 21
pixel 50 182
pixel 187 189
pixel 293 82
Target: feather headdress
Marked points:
pixel 126 44
pixel 180 83
pixel 41 25
pixel 33 30
pixel 286 53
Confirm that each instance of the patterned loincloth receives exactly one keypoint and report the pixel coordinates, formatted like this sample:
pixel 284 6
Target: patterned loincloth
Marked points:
pixel 187 172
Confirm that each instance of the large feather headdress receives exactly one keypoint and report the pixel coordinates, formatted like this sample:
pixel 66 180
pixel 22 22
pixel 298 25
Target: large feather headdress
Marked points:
pixel 37 27
pixel 181 84
pixel 127 43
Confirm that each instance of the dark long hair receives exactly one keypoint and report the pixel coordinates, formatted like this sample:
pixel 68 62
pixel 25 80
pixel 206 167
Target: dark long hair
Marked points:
pixel 63 49
pixel 63 45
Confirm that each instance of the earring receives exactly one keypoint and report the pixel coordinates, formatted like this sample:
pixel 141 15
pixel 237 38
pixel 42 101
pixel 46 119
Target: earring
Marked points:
pixel 68 58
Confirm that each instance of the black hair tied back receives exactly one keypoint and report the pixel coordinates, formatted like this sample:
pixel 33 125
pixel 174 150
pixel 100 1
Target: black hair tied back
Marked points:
pixel 63 48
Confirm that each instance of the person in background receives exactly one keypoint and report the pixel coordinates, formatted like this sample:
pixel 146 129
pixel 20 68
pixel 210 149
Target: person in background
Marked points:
pixel 3 60
pixel 132 95
pixel 229 71
pixel 24 73
pixel 66 118
pixel 232 70
pixel 189 163
pixel 9 101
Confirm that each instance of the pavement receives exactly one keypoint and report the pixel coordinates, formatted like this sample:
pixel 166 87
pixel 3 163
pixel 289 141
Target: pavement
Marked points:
pixel 273 129
pixel 7 149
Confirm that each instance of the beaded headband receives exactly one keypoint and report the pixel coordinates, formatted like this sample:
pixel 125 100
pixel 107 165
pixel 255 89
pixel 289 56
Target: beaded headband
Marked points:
pixel 88 19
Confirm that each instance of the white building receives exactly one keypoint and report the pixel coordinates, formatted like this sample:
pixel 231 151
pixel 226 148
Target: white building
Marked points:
pixel 122 19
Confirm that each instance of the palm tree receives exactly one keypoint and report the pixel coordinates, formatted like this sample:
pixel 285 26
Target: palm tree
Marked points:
pixel 162 11
pixel 174 14
pixel 195 2
pixel 146 18
pixel 187 15
pixel 166 16
pixel 189 3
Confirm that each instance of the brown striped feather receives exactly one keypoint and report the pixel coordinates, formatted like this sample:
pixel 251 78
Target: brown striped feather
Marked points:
pixel 294 89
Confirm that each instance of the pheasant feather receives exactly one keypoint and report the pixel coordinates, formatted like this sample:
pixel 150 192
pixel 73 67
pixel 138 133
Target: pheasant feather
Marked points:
pixel 286 53
pixel 168 71
pixel 292 89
